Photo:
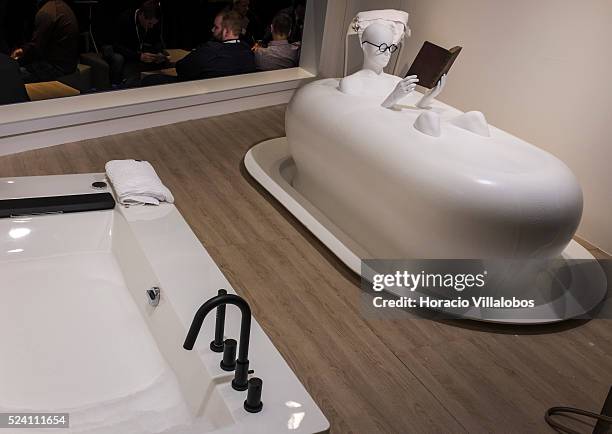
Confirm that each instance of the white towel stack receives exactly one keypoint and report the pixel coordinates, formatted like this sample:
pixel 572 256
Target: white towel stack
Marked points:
pixel 136 183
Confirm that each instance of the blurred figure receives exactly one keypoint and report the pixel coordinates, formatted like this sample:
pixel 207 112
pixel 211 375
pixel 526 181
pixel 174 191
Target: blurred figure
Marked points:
pixel 280 53
pixel 138 44
pixel 12 89
pixel 253 29
pixel 53 50
pixel 297 12
pixel 242 7
pixel 225 55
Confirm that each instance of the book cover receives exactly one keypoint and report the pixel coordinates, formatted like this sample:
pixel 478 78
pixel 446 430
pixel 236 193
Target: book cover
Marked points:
pixel 432 63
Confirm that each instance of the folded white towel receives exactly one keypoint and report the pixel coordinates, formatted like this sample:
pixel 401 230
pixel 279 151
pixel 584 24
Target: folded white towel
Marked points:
pixel 136 182
pixel 397 20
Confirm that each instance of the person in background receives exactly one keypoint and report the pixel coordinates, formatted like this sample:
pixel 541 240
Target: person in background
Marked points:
pixel 138 44
pixel 297 12
pixel 241 6
pixel 223 56
pixel 280 53
pixel 53 50
pixel 253 29
pixel 12 89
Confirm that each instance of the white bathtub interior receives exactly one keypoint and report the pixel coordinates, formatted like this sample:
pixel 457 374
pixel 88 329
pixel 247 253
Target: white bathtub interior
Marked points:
pixel 79 336
pixel 77 342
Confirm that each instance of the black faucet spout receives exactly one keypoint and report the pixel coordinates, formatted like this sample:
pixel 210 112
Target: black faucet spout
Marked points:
pixel 240 381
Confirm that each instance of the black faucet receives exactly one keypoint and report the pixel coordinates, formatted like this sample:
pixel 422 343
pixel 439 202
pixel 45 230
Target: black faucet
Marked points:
pixel 240 381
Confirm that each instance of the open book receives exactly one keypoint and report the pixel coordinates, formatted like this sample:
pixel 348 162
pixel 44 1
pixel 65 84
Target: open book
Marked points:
pixel 432 63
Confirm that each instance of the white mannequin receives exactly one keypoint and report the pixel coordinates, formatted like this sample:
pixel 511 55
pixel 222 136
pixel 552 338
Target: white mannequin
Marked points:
pixel 371 80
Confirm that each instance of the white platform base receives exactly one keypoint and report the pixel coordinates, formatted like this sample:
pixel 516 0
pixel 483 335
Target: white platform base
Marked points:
pixel 272 166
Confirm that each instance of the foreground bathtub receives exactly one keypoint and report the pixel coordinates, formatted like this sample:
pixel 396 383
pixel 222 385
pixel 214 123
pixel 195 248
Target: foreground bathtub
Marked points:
pixel 400 193
pixel 79 336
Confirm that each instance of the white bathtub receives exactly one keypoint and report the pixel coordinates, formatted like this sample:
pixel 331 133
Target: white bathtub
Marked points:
pixel 370 185
pixel 78 335
pixel 400 193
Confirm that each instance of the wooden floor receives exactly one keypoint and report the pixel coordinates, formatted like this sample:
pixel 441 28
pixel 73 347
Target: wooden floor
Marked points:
pixel 368 376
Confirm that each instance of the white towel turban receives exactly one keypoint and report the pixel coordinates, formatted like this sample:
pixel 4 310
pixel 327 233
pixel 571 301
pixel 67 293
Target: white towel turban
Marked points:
pixel 396 20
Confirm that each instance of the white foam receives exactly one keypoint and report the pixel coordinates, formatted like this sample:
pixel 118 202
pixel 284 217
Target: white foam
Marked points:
pixel 74 341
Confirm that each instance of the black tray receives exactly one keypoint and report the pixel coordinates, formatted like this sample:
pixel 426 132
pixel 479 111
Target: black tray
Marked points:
pixel 56 204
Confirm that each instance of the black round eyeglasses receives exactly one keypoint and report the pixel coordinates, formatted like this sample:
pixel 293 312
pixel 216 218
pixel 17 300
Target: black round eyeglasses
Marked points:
pixel 383 47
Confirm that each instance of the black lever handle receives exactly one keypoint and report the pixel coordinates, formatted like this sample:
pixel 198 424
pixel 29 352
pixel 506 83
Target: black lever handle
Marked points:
pixel 229 355
pixel 253 402
pixel 217 344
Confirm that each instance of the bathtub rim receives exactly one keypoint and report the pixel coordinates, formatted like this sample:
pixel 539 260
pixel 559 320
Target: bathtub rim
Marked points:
pixel 270 163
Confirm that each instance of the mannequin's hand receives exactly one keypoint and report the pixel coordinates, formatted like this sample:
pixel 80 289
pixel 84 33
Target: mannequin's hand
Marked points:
pixel 403 88
pixel 425 102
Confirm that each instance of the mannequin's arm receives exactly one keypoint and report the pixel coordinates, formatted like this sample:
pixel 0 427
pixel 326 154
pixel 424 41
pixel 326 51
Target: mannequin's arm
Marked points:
pixel 427 99
pixel 403 88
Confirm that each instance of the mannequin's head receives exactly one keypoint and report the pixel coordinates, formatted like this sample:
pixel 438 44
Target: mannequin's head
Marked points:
pixel 372 38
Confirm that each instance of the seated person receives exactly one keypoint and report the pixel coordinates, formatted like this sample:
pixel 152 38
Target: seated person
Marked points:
pixel 253 29
pixel 280 53
pixel 138 44
pixel 226 55
pixel 53 50
pixel 297 13
pixel 12 89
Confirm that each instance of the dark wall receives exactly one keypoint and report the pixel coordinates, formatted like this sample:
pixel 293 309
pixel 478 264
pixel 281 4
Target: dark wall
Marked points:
pixel 16 22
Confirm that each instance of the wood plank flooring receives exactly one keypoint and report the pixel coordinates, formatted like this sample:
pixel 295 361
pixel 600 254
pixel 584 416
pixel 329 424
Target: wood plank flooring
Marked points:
pixel 367 375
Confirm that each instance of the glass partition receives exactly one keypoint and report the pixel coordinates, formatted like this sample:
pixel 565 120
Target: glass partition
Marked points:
pixel 58 48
